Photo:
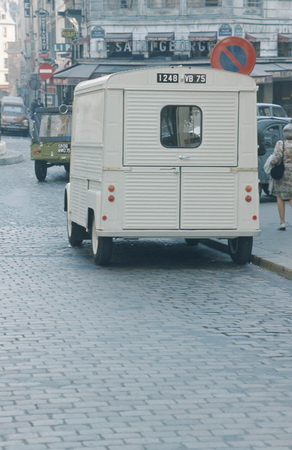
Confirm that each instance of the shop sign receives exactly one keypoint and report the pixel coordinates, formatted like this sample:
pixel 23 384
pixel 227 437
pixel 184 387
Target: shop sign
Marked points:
pixel 62 47
pixel 97 32
pixel 238 30
pixel 198 48
pixel 43 27
pixel 68 33
pixel 26 8
pixel 225 30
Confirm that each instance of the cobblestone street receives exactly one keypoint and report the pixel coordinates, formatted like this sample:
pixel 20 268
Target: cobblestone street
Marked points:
pixel 171 347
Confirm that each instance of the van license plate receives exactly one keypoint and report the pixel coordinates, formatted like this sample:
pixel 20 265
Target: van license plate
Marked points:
pixel 64 148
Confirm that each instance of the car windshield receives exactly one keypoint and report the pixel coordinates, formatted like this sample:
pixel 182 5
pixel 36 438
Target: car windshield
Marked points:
pixel 13 109
pixel 55 125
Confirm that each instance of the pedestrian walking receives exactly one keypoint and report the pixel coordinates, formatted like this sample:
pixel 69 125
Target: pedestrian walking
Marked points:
pixel 282 188
pixel 35 104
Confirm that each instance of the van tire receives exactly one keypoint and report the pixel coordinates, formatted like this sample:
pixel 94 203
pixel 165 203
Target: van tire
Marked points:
pixel 101 247
pixel 74 231
pixel 240 249
pixel 40 168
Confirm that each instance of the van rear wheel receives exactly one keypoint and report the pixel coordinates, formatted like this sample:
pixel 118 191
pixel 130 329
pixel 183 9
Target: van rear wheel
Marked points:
pixel 40 168
pixel 101 247
pixel 74 231
pixel 240 249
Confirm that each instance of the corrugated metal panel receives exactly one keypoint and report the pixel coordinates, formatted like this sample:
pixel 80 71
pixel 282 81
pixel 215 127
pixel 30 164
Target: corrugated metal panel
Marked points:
pixel 151 201
pixel 142 128
pixel 208 201
pixel 78 203
pixel 87 162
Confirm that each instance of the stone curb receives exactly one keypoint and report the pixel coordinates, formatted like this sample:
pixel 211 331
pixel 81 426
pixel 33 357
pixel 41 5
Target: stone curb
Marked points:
pixel 11 157
pixel 258 261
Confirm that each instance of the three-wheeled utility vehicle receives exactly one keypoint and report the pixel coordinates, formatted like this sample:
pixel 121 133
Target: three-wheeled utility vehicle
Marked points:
pixel 164 152
pixel 51 139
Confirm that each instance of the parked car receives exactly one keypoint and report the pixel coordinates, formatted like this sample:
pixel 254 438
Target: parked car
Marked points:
pixel 269 132
pixel 14 117
pixel 51 139
pixel 271 110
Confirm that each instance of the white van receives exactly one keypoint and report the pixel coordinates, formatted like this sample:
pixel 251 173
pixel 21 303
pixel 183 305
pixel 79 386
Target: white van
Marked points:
pixel 164 152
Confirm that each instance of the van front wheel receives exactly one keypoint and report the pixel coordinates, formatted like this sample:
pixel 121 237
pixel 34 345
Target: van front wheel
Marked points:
pixel 240 249
pixel 40 168
pixel 101 247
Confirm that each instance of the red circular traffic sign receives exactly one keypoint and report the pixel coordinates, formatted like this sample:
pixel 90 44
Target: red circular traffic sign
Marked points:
pixel 233 54
pixel 45 71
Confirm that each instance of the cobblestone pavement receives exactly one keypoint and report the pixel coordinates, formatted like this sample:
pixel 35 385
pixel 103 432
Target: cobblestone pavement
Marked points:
pixel 169 348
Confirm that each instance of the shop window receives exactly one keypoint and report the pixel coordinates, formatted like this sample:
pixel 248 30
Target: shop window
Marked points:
pixel 284 48
pixel 257 47
pixel 201 49
pixel 119 49
pixel 181 126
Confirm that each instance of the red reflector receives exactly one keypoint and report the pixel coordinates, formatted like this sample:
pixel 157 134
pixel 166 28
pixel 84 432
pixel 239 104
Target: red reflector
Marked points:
pixel 254 217
pixel 111 198
pixel 104 217
pixel 111 188
pixel 248 198
pixel 37 151
pixel 248 188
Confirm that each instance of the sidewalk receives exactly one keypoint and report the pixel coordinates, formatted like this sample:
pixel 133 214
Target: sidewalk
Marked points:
pixel 9 156
pixel 272 250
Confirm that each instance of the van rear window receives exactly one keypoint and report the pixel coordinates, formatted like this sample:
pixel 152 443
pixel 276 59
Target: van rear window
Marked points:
pixel 11 109
pixel 181 126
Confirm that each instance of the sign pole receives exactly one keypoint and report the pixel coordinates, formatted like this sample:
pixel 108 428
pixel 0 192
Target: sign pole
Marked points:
pixel 46 97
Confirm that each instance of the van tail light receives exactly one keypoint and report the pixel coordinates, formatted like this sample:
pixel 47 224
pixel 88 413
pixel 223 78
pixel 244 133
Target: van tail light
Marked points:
pixel 248 188
pixel 248 198
pixel 37 151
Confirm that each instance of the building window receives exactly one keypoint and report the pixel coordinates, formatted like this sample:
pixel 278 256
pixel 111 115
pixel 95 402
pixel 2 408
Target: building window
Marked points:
pixel 3 16
pixel 162 3
pixel 5 63
pixel 203 3
pixel 181 126
pixel 253 3
pixel 118 4
pixel 4 31
pixel 6 77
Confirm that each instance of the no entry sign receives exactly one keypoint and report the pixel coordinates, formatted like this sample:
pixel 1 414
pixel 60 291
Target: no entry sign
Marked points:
pixel 45 71
pixel 233 54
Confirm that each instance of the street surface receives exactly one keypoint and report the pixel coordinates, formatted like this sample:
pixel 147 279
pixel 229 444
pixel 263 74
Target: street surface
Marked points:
pixel 169 348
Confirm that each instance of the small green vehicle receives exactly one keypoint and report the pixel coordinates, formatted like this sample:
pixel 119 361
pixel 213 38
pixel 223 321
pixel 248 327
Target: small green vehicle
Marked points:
pixel 51 139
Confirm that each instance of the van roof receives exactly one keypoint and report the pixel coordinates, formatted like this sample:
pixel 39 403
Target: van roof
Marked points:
pixel 14 100
pixel 143 78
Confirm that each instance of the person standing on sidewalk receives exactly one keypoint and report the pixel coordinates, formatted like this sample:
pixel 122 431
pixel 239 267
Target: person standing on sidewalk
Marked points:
pixel 282 188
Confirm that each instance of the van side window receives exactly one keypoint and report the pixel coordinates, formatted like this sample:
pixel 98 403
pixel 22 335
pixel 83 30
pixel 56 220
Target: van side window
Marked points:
pixel 181 126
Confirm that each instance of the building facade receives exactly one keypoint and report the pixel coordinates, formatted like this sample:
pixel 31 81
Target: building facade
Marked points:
pixel 7 34
pixel 96 37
